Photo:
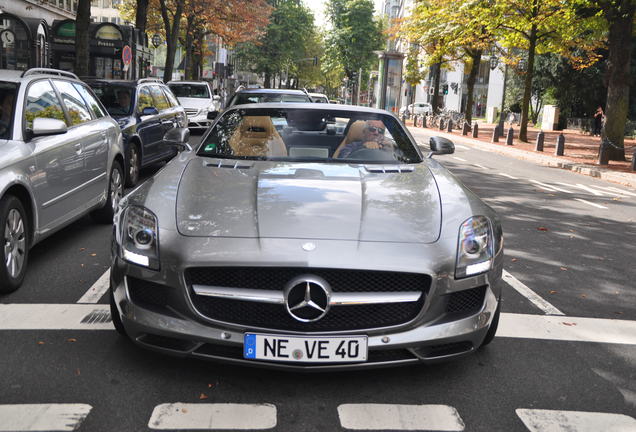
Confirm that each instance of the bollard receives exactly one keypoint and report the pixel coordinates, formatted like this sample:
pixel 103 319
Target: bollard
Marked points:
pixel 449 126
pixel 415 121
pixel 404 118
pixel 495 134
pixel 441 124
pixel 540 139
pixel 465 128
pixel 634 161
pixel 510 136
pixel 424 121
pixel 475 130
pixel 560 145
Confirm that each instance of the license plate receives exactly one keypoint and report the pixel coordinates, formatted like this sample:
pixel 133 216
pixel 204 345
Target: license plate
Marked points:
pixel 318 349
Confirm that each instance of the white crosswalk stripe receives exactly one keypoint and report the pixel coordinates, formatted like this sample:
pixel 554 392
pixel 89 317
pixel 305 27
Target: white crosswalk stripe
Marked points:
pixel 97 290
pixel 400 417
pixel 578 421
pixel 590 203
pixel 213 416
pixel 42 417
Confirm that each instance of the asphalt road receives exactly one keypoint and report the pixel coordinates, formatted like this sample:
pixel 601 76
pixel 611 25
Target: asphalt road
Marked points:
pixel 569 239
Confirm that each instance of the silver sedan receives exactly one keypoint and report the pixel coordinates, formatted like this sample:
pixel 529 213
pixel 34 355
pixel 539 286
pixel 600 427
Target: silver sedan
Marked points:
pixel 307 237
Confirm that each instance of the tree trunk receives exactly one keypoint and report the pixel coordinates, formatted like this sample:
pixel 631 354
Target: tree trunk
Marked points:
pixel 620 39
pixel 437 73
pixel 525 104
pixel 470 84
pixel 172 36
pixel 267 81
pixel 141 16
pixel 189 48
pixel 82 20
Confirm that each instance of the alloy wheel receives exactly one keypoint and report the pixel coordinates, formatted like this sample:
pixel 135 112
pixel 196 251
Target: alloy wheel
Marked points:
pixel 14 243
pixel 116 189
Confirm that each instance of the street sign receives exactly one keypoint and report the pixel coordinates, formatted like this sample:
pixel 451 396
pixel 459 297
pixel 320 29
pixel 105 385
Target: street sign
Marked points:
pixel 126 55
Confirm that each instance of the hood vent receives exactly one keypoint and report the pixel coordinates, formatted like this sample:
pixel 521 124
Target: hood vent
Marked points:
pixel 386 169
pixel 232 164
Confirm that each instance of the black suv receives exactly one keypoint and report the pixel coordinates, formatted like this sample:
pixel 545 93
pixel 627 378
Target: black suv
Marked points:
pixel 145 109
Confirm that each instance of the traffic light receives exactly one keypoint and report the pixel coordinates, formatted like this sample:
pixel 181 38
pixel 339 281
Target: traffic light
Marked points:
pixel 445 89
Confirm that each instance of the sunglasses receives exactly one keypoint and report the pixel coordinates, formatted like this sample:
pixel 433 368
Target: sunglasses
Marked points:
pixel 377 130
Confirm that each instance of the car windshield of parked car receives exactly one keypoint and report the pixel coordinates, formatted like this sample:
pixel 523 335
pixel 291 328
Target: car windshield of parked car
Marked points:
pixel 296 134
pixel 7 107
pixel 116 98
pixel 249 98
pixel 200 91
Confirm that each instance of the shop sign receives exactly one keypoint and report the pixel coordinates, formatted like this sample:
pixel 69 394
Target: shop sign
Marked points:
pixel 108 32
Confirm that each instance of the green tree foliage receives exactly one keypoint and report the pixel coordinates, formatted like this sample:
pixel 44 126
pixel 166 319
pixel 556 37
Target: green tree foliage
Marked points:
pixel 353 37
pixel 288 38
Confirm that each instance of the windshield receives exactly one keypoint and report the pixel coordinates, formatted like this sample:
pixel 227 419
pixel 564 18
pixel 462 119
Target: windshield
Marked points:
pixel 7 107
pixel 116 98
pixel 248 98
pixel 200 91
pixel 309 135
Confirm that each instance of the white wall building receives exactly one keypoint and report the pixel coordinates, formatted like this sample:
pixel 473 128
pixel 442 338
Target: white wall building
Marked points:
pixel 106 11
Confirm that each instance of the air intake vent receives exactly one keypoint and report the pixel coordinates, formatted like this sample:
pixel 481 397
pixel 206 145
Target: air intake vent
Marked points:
pixel 386 169
pixel 232 164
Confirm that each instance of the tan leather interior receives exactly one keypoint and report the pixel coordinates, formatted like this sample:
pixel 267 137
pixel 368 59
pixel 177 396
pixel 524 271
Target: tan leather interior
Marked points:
pixel 257 136
pixel 355 133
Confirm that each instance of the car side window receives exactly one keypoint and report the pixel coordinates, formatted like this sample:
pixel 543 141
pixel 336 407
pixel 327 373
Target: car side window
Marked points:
pixel 42 101
pixel 171 98
pixel 161 101
pixel 144 99
pixel 90 100
pixel 75 105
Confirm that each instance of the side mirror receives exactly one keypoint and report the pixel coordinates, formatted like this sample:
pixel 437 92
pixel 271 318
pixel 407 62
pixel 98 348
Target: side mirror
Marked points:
pixel 149 111
pixel 178 137
pixel 212 115
pixel 48 126
pixel 441 146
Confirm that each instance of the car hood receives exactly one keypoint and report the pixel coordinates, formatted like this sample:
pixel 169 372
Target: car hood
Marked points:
pixel 226 198
pixel 196 103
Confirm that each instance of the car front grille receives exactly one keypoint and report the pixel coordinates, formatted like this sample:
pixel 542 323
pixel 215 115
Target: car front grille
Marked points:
pixel 276 317
pixel 467 301
pixel 191 112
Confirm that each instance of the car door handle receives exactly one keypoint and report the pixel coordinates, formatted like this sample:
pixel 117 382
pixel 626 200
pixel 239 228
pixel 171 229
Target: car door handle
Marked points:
pixel 78 148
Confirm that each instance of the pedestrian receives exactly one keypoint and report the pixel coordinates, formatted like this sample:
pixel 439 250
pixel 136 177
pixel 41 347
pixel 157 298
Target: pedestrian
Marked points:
pixel 599 121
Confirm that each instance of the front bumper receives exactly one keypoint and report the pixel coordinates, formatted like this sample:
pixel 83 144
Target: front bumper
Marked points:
pixel 427 339
pixel 199 121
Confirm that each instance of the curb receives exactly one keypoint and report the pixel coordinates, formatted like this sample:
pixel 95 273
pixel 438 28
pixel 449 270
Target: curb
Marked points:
pixel 625 179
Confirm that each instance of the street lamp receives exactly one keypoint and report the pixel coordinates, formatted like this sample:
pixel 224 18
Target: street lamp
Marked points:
pixel 494 61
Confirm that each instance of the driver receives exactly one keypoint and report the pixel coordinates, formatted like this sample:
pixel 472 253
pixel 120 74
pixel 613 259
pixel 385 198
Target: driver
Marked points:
pixel 6 111
pixel 123 99
pixel 372 138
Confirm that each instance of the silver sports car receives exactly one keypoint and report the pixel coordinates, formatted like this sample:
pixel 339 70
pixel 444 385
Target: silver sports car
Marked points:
pixel 307 237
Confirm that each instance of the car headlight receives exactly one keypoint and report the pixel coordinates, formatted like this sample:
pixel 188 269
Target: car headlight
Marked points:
pixel 140 237
pixel 474 247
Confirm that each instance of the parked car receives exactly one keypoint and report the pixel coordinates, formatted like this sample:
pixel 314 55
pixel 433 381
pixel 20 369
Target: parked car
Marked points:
pixel 420 108
pixel 61 157
pixel 145 109
pixel 198 100
pixel 248 96
pixel 307 248
pixel 319 98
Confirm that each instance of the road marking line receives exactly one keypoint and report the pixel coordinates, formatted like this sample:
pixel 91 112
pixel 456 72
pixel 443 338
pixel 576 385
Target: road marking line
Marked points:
pixel 590 203
pixel 620 191
pixel 179 416
pixel 579 421
pixel 98 289
pixel 462 147
pixel 523 326
pixel 42 417
pixel 544 186
pixel 582 187
pixel 53 317
pixel 563 328
pixel 538 301
pixel 460 159
pixel 540 184
pixel 399 417
pixel 508 175
pixel 481 166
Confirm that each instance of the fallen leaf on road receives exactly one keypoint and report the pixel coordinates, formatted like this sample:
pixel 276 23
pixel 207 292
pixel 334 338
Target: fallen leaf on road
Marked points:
pixel 573 231
pixel 82 249
pixel 583 296
pixel 81 265
pixel 93 254
pixel 514 260
pixel 543 229
pixel 616 199
pixel 184 410
pixel 568 324
pixel 564 269
pixel 210 385
pixel 203 396
pixel 71 340
pixel 553 292
pixel 77 372
pixel 618 313
pixel 40 343
pixel 551 194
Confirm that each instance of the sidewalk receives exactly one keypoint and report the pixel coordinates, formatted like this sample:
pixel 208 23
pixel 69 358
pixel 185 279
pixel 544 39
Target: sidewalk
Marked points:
pixel 581 151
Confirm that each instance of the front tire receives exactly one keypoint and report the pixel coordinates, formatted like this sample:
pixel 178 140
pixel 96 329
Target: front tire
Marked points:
pixel 133 162
pixel 115 192
pixel 14 224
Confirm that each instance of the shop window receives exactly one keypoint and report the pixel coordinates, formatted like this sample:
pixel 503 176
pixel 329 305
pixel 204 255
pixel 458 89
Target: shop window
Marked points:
pixel 14 45
pixel 90 100
pixel 161 102
pixel 42 102
pixel 75 105
pixel 144 99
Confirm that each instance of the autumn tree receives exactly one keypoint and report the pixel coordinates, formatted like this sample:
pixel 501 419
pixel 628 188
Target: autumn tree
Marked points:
pixel 354 35
pixel 82 20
